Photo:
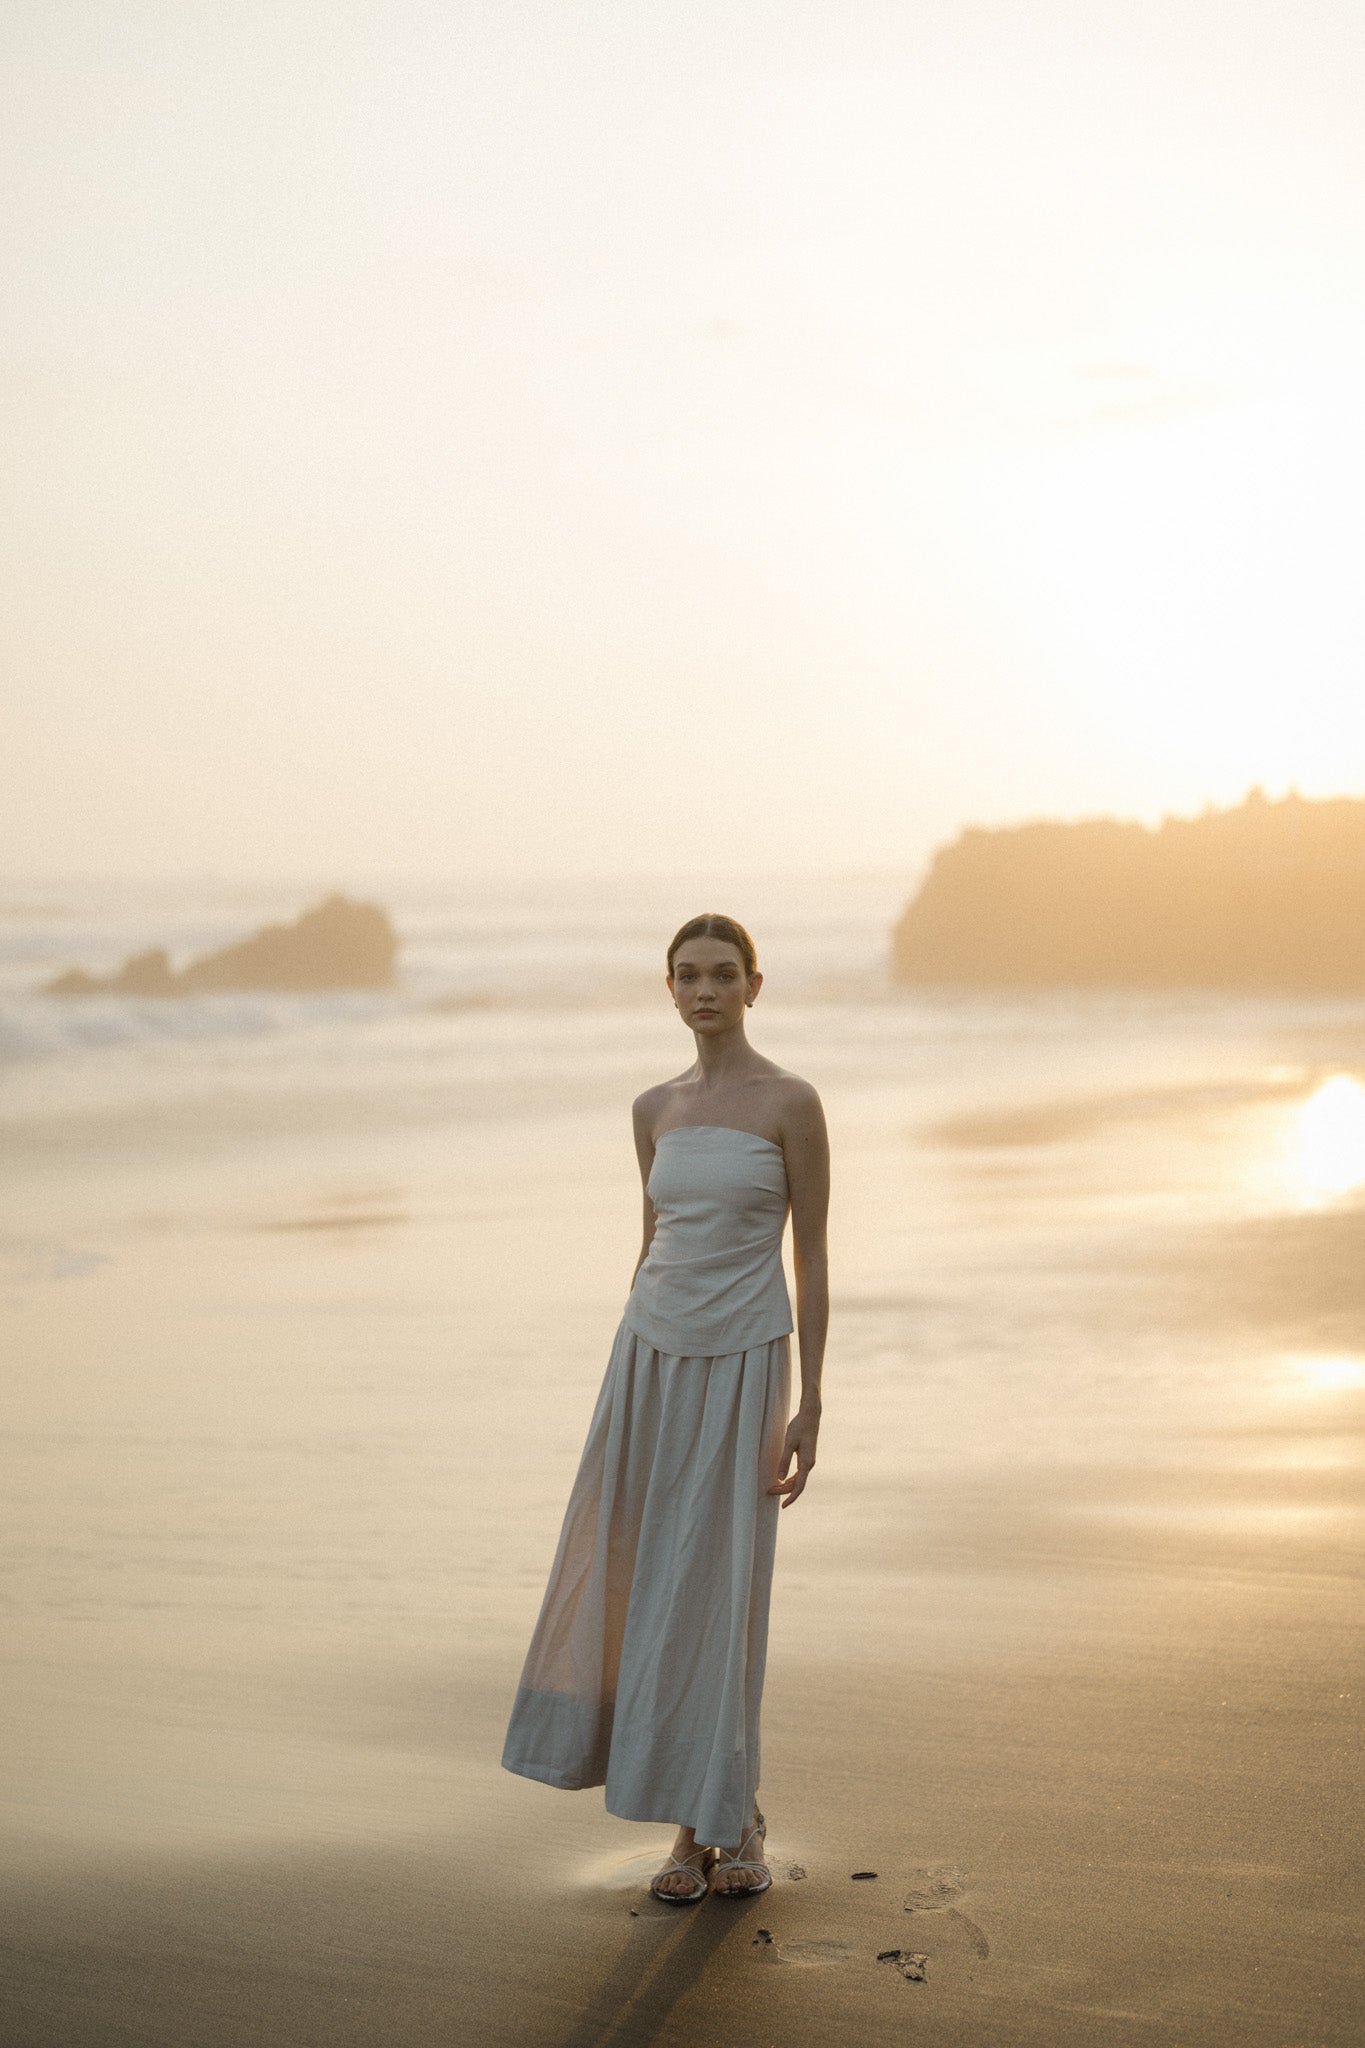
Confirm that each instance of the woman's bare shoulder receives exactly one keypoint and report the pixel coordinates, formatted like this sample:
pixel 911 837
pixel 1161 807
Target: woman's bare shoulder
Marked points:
pixel 792 1089
pixel 796 1104
pixel 650 1105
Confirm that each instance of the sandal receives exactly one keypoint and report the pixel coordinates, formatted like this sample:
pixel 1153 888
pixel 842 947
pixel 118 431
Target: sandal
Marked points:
pixel 741 1862
pixel 689 1869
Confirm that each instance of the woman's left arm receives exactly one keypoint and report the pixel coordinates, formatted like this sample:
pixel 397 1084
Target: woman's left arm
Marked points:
pixel 805 1144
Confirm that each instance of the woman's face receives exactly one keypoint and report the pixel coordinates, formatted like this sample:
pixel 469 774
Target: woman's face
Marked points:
pixel 709 984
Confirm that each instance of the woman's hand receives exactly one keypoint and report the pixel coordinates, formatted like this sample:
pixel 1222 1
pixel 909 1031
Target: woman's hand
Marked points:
pixel 802 1431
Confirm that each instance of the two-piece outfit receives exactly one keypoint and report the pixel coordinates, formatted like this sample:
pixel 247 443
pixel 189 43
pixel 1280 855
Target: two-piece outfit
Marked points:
pixel 645 1670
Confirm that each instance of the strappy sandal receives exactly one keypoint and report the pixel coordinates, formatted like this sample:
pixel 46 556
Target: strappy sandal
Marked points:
pixel 741 1862
pixel 689 1869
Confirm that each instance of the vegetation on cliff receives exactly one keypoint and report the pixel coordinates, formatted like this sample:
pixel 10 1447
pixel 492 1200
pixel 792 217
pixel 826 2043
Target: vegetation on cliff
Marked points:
pixel 1264 896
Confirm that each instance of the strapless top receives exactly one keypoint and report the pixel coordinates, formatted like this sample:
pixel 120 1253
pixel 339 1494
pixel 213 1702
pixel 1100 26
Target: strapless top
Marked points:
pixel 712 1281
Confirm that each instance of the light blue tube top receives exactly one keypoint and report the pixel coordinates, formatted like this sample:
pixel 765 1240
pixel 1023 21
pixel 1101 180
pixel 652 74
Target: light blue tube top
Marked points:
pixel 712 1281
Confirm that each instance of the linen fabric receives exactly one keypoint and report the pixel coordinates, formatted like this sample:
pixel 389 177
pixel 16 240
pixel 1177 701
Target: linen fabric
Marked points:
pixel 713 1279
pixel 646 1665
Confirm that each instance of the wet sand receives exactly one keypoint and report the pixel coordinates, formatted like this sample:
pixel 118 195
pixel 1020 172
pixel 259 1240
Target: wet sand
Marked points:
pixel 1102 1803
pixel 1066 1637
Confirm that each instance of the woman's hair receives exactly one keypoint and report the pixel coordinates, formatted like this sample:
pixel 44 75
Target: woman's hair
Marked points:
pixel 711 925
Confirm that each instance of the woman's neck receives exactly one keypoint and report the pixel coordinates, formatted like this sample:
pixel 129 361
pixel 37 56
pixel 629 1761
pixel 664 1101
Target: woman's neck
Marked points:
pixel 722 1059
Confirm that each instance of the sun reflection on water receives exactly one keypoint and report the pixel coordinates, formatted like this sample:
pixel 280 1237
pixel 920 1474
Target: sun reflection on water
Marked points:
pixel 1327 1375
pixel 1326 1148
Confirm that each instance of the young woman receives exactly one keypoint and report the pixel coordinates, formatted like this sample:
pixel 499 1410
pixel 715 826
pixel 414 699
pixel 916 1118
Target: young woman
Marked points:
pixel 645 1670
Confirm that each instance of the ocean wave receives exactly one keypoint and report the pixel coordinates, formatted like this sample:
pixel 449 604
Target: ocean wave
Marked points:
pixel 44 1027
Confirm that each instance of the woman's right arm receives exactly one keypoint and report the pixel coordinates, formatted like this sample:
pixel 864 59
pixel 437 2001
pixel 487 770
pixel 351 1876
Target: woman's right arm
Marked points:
pixel 642 1116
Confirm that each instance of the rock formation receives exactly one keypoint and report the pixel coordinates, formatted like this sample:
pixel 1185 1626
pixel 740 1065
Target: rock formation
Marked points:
pixel 338 945
pixel 1262 897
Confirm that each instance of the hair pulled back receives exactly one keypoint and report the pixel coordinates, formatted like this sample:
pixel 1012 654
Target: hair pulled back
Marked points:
pixel 711 925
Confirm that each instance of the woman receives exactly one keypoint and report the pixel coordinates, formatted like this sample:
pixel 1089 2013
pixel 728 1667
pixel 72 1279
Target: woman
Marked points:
pixel 645 1670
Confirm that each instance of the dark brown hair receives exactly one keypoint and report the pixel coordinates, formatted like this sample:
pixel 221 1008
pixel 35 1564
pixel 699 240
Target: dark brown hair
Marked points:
pixel 711 925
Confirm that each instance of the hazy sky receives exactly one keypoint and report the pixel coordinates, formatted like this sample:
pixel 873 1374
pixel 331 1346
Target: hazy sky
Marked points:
pixel 591 436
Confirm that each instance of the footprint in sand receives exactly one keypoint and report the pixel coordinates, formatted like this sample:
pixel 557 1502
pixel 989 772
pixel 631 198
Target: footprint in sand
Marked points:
pixel 813 1955
pixel 935 1886
pixel 936 1890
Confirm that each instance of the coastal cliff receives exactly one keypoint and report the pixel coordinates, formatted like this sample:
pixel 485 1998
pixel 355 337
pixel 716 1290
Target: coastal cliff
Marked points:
pixel 1266 896
pixel 339 945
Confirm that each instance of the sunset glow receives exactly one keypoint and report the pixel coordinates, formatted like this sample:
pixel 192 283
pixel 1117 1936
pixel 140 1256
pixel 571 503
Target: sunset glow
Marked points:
pixel 682 675
pixel 1328 1375
pixel 1326 1153
pixel 419 431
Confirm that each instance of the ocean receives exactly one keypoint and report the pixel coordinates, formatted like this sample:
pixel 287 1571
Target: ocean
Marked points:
pixel 1016 1180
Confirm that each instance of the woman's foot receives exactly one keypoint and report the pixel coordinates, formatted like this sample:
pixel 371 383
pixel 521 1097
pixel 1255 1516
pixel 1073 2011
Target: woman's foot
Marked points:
pixel 687 1882
pixel 743 1869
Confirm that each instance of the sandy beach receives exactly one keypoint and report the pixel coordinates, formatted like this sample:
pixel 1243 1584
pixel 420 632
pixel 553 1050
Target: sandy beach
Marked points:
pixel 488 488
pixel 1066 1636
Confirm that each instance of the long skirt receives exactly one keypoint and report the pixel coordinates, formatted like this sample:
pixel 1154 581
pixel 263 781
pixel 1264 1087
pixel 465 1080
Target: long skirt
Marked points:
pixel 645 1670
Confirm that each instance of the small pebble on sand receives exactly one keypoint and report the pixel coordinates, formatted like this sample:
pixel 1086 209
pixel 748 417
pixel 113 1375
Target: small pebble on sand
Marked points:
pixel 859 1875
pixel 911 1964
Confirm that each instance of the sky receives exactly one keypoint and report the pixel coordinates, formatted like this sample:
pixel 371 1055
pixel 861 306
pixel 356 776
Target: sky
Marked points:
pixel 536 438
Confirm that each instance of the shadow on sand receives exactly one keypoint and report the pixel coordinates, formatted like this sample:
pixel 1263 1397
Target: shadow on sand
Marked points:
pixel 631 2007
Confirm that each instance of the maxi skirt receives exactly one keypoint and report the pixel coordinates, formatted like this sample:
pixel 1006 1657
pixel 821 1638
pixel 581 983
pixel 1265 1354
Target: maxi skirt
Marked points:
pixel 645 1670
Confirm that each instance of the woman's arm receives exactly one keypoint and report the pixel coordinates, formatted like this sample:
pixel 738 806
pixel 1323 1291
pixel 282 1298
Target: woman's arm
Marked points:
pixel 642 1116
pixel 805 1144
